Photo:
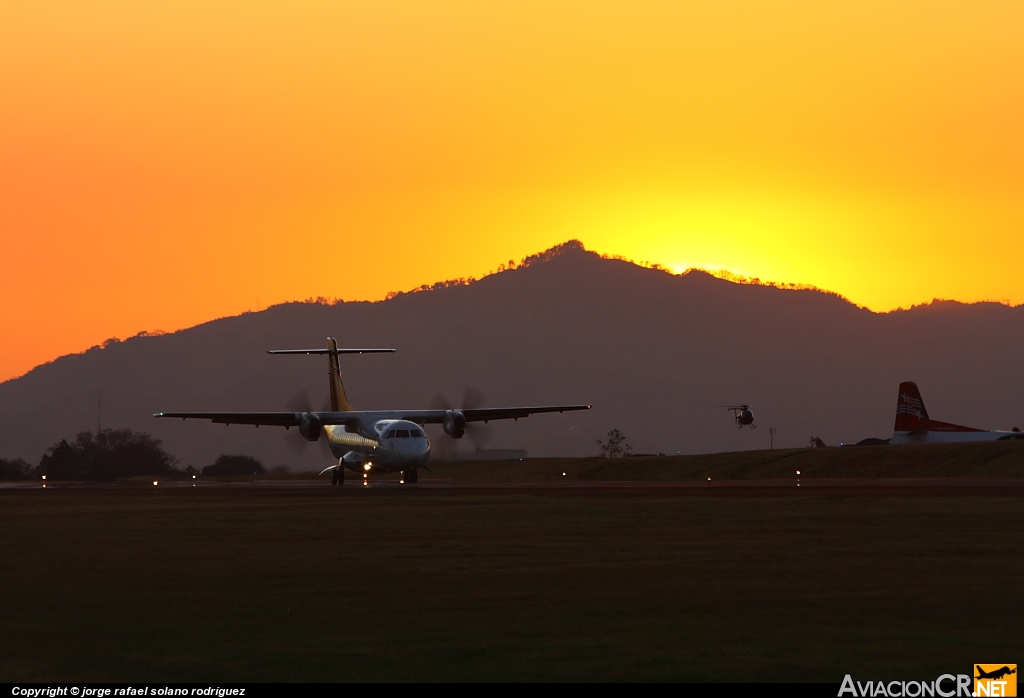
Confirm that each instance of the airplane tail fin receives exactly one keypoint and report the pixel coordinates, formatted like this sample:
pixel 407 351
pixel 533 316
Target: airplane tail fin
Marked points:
pixel 911 414
pixel 339 400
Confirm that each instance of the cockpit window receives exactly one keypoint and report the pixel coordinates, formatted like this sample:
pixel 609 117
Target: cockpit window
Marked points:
pixel 390 434
pixel 415 433
pixel 402 433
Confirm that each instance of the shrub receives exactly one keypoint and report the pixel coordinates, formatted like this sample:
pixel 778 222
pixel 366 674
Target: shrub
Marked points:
pixel 14 469
pixel 110 454
pixel 616 446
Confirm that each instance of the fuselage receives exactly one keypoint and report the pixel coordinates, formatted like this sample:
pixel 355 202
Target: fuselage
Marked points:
pixel 951 436
pixel 386 445
pixel 914 426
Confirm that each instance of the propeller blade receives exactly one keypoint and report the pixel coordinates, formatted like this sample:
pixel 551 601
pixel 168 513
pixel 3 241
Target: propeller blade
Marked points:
pixel 440 402
pixel 296 443
pixel 472 398
pixel 480 434
pixel 300 402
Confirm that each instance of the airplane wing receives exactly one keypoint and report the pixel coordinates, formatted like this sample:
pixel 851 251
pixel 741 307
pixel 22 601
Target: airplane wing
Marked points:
pixel 485 414
pixel 257 419
pixel 292 419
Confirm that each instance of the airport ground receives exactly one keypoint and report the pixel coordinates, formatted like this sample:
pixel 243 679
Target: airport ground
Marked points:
pixel 996 459
pixel 882 575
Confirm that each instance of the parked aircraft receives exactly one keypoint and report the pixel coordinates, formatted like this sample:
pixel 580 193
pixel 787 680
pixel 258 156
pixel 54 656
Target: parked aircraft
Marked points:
pixel 913 426
pixel 369 441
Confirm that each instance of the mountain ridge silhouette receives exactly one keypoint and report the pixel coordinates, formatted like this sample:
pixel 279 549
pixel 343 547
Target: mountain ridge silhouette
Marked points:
pixel 654 352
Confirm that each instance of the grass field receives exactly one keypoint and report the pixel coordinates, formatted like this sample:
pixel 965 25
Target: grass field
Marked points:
pixel 324 584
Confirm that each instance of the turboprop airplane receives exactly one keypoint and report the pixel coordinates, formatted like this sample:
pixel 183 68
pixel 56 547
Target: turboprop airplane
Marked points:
pixel 913 426
pixel 380 441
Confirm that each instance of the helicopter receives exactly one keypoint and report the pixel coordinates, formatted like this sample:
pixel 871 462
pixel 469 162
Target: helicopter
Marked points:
pixel 744 417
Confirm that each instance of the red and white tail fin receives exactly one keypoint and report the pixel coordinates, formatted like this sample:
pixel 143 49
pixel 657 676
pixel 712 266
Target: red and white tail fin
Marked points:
pixel 911 414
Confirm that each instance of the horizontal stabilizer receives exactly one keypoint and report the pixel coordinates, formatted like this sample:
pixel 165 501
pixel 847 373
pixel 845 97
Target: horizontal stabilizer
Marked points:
pixel 333 352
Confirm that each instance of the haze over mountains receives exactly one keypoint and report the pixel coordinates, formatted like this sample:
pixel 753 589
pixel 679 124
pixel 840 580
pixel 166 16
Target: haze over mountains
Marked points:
pixel 655 353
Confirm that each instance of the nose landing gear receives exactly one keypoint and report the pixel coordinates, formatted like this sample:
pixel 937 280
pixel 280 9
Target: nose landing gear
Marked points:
pixel 338 475
pixel 410 476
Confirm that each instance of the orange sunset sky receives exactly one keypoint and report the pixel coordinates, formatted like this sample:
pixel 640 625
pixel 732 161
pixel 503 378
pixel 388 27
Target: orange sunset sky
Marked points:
pixel 167 163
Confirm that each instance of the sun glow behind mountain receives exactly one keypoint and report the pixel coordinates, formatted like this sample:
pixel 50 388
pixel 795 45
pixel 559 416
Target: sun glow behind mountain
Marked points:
pixel 168 163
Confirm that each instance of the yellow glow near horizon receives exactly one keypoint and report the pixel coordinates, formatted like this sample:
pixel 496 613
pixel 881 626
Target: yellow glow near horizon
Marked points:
pixel 166 163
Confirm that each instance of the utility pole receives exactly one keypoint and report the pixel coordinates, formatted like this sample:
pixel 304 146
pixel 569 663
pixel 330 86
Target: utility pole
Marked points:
pixel 99 415
pixel 771 434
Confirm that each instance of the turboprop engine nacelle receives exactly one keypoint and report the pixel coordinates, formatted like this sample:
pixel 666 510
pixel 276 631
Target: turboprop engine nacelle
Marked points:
pixel 454 423
pixel 310 426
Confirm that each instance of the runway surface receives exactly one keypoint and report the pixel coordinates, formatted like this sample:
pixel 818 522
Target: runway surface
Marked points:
pixel 773 487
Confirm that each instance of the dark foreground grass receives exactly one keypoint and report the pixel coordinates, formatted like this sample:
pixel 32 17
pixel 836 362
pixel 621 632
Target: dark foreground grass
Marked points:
pixel 323 585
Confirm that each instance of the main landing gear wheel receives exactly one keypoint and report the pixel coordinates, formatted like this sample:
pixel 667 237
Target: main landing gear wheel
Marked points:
pixel 410 476
pixel 338 476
